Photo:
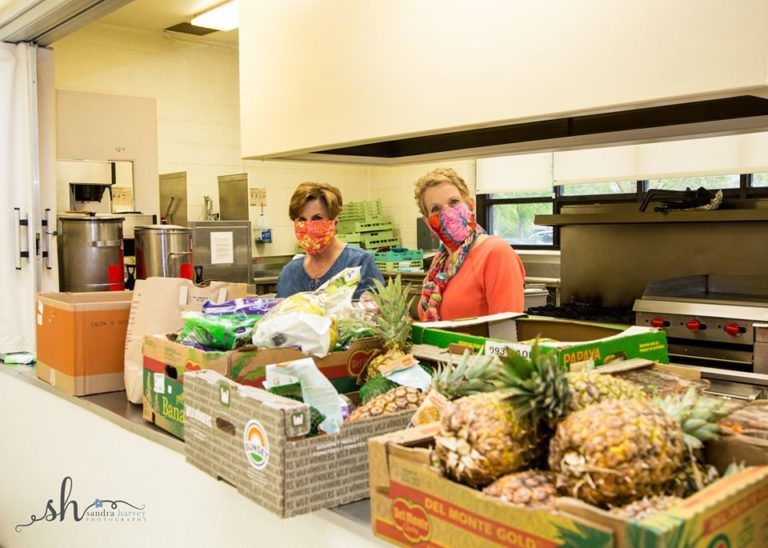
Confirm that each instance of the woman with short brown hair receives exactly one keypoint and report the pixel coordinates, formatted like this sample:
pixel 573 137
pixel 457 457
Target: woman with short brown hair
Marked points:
pixel 313 210
pixel 473 274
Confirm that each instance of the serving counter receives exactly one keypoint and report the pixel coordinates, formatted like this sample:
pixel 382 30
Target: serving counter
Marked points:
pixel 109 453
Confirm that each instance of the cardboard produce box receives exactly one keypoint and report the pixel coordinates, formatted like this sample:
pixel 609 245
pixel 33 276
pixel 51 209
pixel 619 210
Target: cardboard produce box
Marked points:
pixel 257 442
pixel 165 362
pixel 81 340
pixel 413 504
pixel 731 512
pixel 574 342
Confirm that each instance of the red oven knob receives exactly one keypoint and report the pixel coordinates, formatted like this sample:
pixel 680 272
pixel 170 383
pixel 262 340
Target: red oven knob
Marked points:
pixel 734 329
pixel 695 325
pixel 658 321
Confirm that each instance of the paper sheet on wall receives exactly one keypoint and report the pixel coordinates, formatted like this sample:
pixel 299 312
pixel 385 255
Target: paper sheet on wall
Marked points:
pixel 222 248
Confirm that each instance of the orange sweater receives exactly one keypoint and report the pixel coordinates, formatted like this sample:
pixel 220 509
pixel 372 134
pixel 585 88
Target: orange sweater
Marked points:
pixel 489 281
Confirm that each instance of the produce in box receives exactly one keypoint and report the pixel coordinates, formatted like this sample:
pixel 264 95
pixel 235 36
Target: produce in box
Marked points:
pixel 550 433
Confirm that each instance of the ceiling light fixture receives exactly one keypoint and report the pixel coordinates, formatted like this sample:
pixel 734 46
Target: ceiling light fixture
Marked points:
pixel 222 17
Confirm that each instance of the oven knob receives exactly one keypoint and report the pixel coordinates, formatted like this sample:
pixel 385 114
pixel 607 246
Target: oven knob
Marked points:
pixel 658 321
pixel 734 329
pixel 695 325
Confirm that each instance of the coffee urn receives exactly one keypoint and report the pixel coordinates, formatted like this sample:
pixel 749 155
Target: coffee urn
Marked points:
pixel 164 251
pixel 90 252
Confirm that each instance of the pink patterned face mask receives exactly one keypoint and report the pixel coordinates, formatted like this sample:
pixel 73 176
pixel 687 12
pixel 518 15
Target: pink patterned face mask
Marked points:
pixel 314 237
pixel 453 225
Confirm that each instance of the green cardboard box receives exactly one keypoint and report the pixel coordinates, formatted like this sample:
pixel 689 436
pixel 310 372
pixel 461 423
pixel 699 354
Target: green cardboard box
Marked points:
pixel 575 342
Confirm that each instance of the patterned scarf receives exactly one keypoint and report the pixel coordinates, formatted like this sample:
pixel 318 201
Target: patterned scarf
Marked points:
pixel 444 267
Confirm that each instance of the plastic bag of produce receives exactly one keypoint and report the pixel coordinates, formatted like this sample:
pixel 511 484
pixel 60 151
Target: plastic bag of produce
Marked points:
pixel 311 333
pixel 305 320
pixel 217 332
pixel 253 306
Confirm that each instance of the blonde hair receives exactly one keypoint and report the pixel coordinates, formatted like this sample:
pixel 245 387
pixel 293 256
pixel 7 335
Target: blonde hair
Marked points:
pixel 329 196
pixel 436 177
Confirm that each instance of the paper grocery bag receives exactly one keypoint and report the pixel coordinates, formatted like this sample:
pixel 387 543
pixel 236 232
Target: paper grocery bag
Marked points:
pixel 156 308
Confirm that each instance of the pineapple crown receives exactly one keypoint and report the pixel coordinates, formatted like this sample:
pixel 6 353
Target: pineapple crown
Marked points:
pixel 697 415
pixel 393 323
pixel 537 386
pixel 471 375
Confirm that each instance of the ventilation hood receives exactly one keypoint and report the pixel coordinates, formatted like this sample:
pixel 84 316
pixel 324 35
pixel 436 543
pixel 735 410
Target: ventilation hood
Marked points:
pixel 699 118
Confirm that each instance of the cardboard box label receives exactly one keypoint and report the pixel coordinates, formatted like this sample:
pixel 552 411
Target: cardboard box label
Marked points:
pixel 412 510
pixel 256 444
pixel 165 402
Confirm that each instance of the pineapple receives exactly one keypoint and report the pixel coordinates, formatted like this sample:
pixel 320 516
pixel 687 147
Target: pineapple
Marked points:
pixel 471 375
pixel 532 488
pixel 375 387
pixel 544 389
pixel 485 436
pixel 645 507
pixel 393 323
pixel 482 438
pixel 590 388
pixel 398 399
pixel 616 452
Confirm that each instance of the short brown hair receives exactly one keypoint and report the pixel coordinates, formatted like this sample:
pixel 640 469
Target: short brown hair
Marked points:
pixel 437 177
pixel 329 195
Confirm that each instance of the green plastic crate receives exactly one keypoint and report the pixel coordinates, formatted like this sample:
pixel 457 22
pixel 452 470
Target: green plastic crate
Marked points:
pixel 368 238
pixel 386 242
pixel 362 211
pixel 354 238
pixel 348 227
pixel 399 254
pixel 399 266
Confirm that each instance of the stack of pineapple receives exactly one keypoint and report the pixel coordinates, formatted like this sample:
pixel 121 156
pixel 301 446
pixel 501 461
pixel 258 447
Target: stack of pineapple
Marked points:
pixel 599 438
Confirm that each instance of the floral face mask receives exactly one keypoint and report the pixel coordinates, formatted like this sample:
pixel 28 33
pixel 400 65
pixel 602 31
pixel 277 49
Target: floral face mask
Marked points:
pixel 453 225
pixel 315 236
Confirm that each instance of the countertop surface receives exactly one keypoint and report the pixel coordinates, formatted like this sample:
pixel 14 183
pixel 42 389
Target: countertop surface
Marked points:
pixel 114 407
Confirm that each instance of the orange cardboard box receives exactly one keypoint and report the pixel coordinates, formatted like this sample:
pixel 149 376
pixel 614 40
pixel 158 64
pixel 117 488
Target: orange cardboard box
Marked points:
pixel 81 340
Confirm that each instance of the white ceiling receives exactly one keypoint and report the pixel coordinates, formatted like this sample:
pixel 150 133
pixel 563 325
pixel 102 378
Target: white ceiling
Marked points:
pixel 160 14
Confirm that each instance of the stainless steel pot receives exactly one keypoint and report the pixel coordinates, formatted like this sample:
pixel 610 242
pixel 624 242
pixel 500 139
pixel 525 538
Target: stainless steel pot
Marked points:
pixel 164 251
pixel 90 253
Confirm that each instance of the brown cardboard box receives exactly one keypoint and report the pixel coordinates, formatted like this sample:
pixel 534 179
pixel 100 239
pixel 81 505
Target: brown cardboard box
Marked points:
pixel 413 504
pixel 165 362
pixel 257 442
pixel 81 340
pixel 733 511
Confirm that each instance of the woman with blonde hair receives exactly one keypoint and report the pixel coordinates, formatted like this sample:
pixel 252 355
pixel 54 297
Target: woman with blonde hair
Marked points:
pixel 473 274
pixel 313 210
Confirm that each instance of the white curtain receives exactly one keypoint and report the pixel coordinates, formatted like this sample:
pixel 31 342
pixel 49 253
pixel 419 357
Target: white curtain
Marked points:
pixel 19 192
pixel 517 173
pixel 728 155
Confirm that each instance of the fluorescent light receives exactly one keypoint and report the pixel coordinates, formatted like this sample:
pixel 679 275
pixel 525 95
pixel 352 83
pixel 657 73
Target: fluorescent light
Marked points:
pixel 222 17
